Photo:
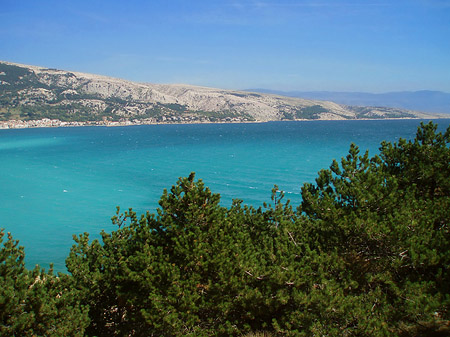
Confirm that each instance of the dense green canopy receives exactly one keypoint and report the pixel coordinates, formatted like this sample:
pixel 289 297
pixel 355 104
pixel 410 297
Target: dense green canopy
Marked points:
pixel 367 253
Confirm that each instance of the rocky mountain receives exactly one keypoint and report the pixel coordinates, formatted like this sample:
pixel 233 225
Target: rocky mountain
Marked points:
pixel 31 93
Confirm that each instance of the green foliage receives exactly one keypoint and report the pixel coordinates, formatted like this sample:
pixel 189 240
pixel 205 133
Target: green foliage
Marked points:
pixel 387 217
pixel 171 279
pixel 67 113
pixel 365 254
pixel 250 94
pixel 15 76
pixel 36 303
pixel 310 112
pixel 178 108
pixel 288 116
pixel 215 116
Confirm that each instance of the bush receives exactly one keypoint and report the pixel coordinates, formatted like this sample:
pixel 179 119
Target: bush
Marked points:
pixel 36 302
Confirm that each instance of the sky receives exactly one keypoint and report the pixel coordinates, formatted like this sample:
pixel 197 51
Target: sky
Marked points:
pixel 341 45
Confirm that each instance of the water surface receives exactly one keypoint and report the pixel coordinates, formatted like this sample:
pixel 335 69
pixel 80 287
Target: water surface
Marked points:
pixel 56 182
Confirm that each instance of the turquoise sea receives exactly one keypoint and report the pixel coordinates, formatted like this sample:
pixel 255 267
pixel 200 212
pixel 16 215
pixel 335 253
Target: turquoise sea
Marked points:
pixel 57 182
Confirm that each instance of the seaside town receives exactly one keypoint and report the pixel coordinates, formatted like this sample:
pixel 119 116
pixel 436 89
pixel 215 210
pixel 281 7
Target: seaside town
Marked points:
pixel 46 122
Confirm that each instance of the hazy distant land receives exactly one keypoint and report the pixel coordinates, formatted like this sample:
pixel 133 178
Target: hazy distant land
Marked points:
pixel 423 100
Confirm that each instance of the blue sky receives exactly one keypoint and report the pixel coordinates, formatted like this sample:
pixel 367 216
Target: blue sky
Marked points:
pixel 341 45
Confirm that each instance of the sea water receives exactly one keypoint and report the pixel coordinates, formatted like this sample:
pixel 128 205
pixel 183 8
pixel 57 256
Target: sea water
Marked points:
pixel 56 182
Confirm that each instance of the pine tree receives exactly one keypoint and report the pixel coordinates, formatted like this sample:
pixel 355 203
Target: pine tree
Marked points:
pixel 35 303
pixel 387 217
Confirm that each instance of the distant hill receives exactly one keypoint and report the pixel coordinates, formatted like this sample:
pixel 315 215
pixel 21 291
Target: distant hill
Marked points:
pixel 31 93
pixel 423 100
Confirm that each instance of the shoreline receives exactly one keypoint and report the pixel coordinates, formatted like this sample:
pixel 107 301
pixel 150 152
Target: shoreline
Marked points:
pixel 56 123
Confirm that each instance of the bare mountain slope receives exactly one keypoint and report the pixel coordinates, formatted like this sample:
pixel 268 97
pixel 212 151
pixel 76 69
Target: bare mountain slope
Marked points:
pixel 32 93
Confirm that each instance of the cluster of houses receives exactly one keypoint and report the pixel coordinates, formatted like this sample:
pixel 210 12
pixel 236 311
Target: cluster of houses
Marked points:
pixel 46 122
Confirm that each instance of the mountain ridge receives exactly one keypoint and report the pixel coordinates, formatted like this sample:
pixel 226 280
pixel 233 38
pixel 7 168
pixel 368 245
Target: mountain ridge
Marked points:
pixel 29 93
pixel 431 101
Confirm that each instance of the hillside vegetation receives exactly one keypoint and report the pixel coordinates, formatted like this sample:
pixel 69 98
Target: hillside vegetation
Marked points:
pixel 34 93
pixel 366 253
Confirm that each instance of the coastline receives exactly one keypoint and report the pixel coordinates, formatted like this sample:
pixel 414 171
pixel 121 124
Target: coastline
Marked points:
pixel 56 123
